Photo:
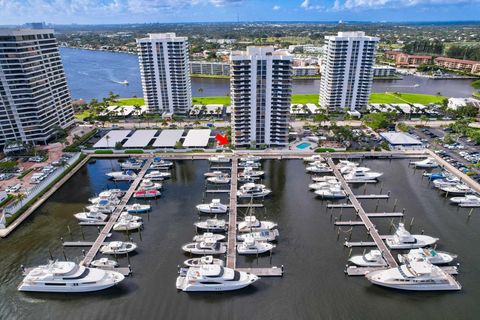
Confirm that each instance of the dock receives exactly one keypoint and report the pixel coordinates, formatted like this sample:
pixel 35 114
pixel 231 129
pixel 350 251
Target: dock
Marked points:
pixel 114 216
pixel 93 224
pixel 377 240
pixel 349 223
pixel 372 196
pixel 340 205
pixel 250 205
pixel 385 215
pixel 218 191
pixel 232 217
pixel 81 243
pixel 361 271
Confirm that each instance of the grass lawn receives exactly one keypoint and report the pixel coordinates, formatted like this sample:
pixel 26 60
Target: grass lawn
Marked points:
pixel 304 98
pixel 82 115
pixel 129 102
pixel 225 100
pixel 209 76
pixel 390 97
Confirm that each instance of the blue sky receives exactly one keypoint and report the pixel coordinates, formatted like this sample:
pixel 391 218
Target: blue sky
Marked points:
pixel 134 11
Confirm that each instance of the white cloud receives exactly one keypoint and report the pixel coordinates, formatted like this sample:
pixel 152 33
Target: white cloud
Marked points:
pixel 307 5
pixel 275 8
pixel 380 4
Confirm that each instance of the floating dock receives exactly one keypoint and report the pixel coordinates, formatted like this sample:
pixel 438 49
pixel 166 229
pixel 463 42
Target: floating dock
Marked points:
pixel 232 217
pixel 218 191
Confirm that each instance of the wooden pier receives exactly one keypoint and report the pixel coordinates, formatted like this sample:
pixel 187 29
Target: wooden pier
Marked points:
pixel 114 216
pixel 232 218
pixel 372 196
pixel 340 205
pixel 377 240
pixel 81 243
pixel 349 223
pixel 93 224
pixel 385 215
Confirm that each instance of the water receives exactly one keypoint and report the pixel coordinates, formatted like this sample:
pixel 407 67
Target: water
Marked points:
pixel 92 74
pixel 303 145
pixel 313 287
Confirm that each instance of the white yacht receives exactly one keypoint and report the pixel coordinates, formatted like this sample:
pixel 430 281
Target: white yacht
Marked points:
pixel 103 206
pixel 249 171
pixel 105 195
pixel 252 224
pixel 157 175
pixel 402 239
pixel 346 166
pixel 147 194
pixel 208 235
pixel 417 276
pixel 250 164
pixel 213 207
pixel 318 167
pixel 127 225
pixel 361 174
pixel 468 201
pixel 138 208
pixel 247 178
pixel 251 246
pixel 447 182
pixel 91 216
pixel 159 163
pixel 214 278
pixel 118 247
pixel 222 179
pixel 122 175
pixel 195 262
pixel 431 255
pixel 264 235
pixel 148 184
pixel 250 158
pixel 323 178
pixel 215 173
pixel 314 158
pixel 209 246
pixel 253 190
pixel 324 185
pixel 114 192
pixel 219 159
pixel 458 189
pixel 331 193
pixel 68 277
pixel 128 217
pixel 212 225
pixel 425 163
pixel 373 258
pixel 131 164
pixel 104 263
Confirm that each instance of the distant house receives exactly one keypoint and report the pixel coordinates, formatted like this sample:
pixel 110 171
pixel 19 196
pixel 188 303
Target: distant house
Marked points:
pixel 401 141
pixel 407 60
pixel 458 64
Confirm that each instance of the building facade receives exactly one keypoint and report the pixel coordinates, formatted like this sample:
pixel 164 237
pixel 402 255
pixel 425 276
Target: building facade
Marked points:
pixel 458 64
pixel 347 71
pixel 406 60
pixel 210 68
pixel 260 89
pixel 384 71
pixel 306 71
pixel 165 73
pixel 34 95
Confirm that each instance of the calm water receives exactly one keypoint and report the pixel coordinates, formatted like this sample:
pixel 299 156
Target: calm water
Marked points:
pixel 313 287
pixel 92 74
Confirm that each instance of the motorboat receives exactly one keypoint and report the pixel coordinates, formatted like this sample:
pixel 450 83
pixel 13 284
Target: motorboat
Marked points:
pixel 215 173
pixel 90 216
pixel 103 206
pixel 427 163
pixel 331 193
pixel 147 194
pixel 250 158
pixel 129 217
pixel 361 174
pixel 128 175
pixel 373 258
pixel 118 247
pixel 115 192
pixel 250 164
pixel 318 167
pixel 252 224
pixel 345 166
pixel 195 262
pixel 253 190
pixel 213 278
pixel 247 179
pixel 222 179
pixel 213 207
pixel 323 185
pixel 105 195
pixel 431 255
pixel 323 178
pixel 159 163
pixel 209 235
pixel 157 175
pixel 138 208
pixel 314 158
pixel 458 189
pixel 468 201
pixel 131 164
pixel 402 239
pixel 212 225
pixel 219 159
pixel 127 225
pixel 148 184
pixel 263 235
pixel 432 176
pixel 447 182
pixel 209 246
pixel 416 276
pixel 104 263
pixel 249 171
pixel 68 277
pixel 251 246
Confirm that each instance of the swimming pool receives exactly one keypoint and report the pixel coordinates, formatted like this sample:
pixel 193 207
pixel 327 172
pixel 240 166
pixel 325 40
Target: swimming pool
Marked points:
pixel 303 145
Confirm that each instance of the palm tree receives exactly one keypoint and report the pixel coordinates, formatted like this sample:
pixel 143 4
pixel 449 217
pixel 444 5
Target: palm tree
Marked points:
pixel 107 137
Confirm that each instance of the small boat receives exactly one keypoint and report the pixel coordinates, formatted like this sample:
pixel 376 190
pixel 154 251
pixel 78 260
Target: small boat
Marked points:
pixel 147 184
pixel 431 255
pixel 212 225
pixel 138 208
pixel 208 235
pixel 253 190
pixel 468 201
pixel 416 276
pixel 158 175
pixel 323 178
pixel 346 166
pixel 247 179
pixel 435 176
pixel 314 158
pixel 105 195
pixel 458 189
pixel 425 163
pixel 90 216
pixel 251 246
pixel 68 277
pixel 402 239
pixel 250 164
pixel 222 179
pixel 331 193
pixel 447 182
pixel 146 194
pixel 209 246
pixel 213 207
pixel 250 158
pixel 219 159
pixel 264 235
pixel 213 173
pixel 252 224
pixel 373 258
pixel 128 217
pixel 127 225
pixel 104 263
pixel 122 175
pixel 318 167
pixel 248 171
pixel 194 262
pixel 118 247
pixel 361 174
pixel 131 164
pixel 324 185
pixel 103 206
pixel 214 278
pixel 159 163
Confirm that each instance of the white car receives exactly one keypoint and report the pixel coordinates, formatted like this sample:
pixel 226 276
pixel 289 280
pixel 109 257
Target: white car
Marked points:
pixel 14 188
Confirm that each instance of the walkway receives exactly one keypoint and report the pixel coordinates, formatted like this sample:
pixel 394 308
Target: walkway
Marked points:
pixel 232 217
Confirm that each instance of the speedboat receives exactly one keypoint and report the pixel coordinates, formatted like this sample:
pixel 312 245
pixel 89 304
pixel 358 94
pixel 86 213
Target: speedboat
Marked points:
pixel 103 206
pixel 416 275
pixel 361 174
pixel 131 164
pixel 447 182
pixel 247 179
pixel 209 246
pixel 425 163
pixel 253 190
pixel 250 158
pixel 314 158
pixel 118 247
pixel 252 224
pixel 248 171
pixel 219 159
pixel 158 175
pixel 112 196
pixel 147 184
pixel 127 225
pixel 431 255
pixel 195 262
pixel 468 201
pixel 250 164
pixel 318 167
pixel 146 194
pixel 346 166
pixel 221 179
pixel 323 178
pixel 251 246
pixel 434 176
pixel 402 239
pixel 68 277
pixel 458 189
pixel 212 225
pixel 324 185
pixel 263 235
pixel 91 216
pixel 104 263
pixel 213 207
pixel 373 258
pixel 208 235
pixel 128 217
pixel 138 208
pixel 122 175
pixel 214 278
pixel 214 173
pixel 159 163
pixel 331 193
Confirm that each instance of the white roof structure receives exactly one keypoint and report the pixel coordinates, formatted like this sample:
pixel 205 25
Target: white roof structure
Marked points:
pixel 140 138
pixel 400 138
pixel 111 138
pixel 197 138
pixel 168 138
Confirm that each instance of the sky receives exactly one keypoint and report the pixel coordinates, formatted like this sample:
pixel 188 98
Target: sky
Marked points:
pixel 148 11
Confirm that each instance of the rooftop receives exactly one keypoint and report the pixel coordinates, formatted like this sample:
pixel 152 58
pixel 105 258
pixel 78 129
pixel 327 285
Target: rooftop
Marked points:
pixel 400 138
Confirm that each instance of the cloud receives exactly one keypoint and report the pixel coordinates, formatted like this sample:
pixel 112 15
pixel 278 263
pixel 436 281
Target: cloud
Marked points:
pixel 382 4
pixel 307 5
pixel 275 8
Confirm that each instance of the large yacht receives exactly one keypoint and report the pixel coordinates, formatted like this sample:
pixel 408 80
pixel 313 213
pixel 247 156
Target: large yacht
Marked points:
pixel 250 158
pixel 195 262
pixel 431 255
pixel 220 179
pixel 146 194
pixel 209 235
pixel 373 258
pixel 264 235
pixel 458 189
pixel 209 246
pixel 468 201
pixel 402 239
pixel 212 225
pixel 416 275
pixel 122 175
pixel 158 175
pixel 68 277
pixel 251 246
pixel 249 171
pixel 214 278
pixel 253 190
pixel 148 184
pixel 127 225
pixel 131 164
pixel 250 164
pixel 318 167
pixel 361 174
pixel 314 158
pixel 118 247
pixel 252 224
pixel 138 208
pixel 159 163
pixel 425 163
pixel 103 206
pixel 331 193
pixel 213 207
pixel 219 159
pixel 91 216
pixel 324 185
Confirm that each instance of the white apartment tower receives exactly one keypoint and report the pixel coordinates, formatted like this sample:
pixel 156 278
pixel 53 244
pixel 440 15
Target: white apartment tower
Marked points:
pixel 260 89
pixel 165 73
pixel 347 71
pixel 34 96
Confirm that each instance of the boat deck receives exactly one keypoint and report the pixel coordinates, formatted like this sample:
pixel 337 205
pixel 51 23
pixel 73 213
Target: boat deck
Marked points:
pixel 264 272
